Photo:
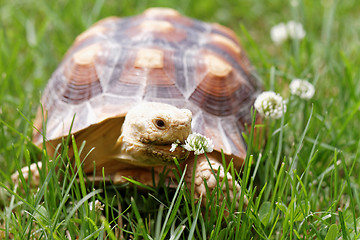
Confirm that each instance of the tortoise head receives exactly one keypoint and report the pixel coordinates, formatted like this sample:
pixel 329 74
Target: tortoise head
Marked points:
pixel 150 129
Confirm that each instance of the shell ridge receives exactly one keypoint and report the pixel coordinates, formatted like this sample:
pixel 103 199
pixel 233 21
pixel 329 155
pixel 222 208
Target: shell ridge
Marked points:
pixel 144 85
pixel 233 134
pixel 91 116
pixel 105 80
pixel 190 84
pixel 223 136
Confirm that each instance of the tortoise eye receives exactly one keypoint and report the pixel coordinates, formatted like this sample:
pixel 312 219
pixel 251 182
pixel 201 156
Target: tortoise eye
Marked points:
pixel 159 123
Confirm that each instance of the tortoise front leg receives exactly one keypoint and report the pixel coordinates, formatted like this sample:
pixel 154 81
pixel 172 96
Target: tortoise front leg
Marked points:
pixel 205 178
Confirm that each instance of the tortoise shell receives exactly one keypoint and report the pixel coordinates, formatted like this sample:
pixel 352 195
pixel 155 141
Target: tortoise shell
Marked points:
pixel 159 56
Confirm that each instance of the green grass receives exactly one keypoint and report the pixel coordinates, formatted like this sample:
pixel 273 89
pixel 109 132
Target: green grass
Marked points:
pixel 303 183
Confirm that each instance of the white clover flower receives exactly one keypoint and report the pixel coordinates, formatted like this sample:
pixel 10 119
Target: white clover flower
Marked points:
pixel 278 33
pixel 270 105
pixel 284 31
pixel 98 206
pixel 198 143
pixel 302 88
pixel 174 145
pixel 294 3
pixel 295 30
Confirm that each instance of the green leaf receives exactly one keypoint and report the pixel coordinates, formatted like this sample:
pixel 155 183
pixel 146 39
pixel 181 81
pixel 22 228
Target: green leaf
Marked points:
pixel 332 233
pixel 282 207
pixel 265 212
pixel 302 209
pixel 41 215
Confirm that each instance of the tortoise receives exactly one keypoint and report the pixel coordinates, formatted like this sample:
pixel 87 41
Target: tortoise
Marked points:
pixel 138 84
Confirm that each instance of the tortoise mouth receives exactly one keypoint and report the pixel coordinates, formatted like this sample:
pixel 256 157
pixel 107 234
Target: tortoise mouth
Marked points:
pixel 164 155
pixel 137 153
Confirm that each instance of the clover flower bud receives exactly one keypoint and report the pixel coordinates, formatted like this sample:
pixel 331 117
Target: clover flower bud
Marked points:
pixel 284 31
pixel 97 204
pixel 295 30
pixel 270 105
pixel 278 33
pixel 302 88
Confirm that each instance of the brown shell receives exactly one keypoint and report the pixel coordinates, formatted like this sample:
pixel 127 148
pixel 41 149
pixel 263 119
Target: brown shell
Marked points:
pixel 160 56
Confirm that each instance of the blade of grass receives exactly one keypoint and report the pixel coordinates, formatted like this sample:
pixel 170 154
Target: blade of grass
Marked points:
pixel 140 224
pixel 82 201
pixel 193 226
pixel 140 184
pixel 79 168
pixel 173 207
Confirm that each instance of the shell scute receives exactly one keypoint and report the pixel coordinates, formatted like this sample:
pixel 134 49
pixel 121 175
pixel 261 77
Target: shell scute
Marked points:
pixel 80 81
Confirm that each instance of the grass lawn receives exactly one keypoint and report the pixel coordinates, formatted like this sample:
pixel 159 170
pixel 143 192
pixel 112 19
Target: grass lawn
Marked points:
pixel 302 184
